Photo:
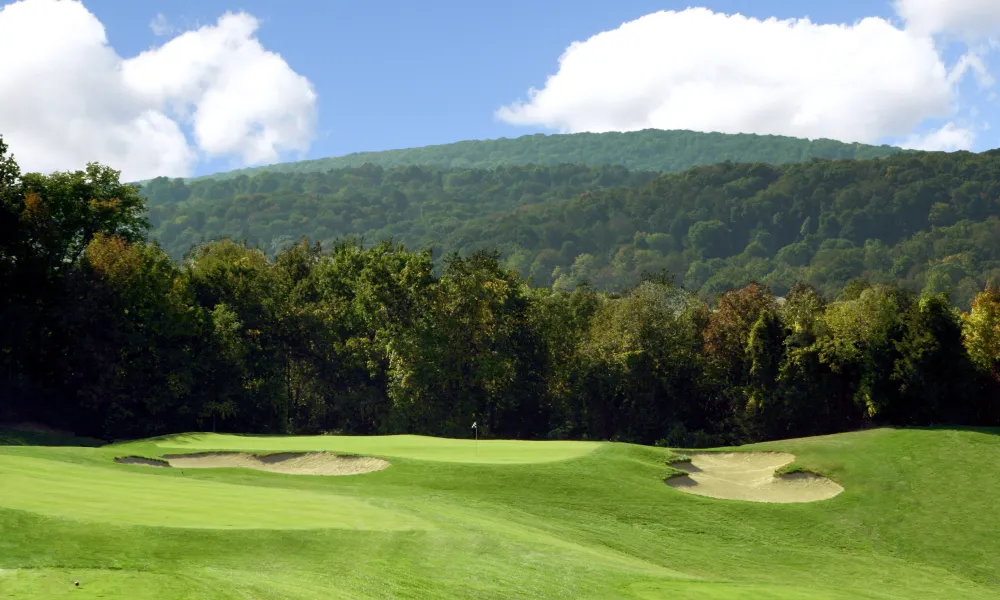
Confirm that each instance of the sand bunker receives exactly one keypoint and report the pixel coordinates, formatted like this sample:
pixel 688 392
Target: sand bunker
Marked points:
pixel 750 476
pixel 293 463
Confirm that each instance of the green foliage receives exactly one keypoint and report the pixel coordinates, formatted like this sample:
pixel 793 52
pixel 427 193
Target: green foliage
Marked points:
pixel 717 227
pixel 312 337
pixel 46 223
pixel 416 206
pixel 647 150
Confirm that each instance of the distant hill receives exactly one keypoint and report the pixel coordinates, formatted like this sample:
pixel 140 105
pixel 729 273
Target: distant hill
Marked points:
pixel 648 150
pixel 926 220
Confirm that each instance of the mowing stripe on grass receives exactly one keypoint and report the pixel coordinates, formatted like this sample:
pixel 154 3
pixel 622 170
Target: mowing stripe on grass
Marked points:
pixel 100 494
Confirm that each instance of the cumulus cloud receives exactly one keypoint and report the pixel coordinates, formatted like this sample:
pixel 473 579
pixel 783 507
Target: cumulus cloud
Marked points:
pixel 948 138
pixel 66 97
pixel 247 101
pixel 967 18
pixel 706 71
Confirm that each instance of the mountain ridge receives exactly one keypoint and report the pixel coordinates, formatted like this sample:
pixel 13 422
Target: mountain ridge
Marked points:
pixel 927 220
pixel 648 149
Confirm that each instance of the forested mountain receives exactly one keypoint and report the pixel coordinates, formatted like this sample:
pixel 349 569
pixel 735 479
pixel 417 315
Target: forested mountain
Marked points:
pixel 925 220
pixel 647 150
pixel 104 334
pixel 419 206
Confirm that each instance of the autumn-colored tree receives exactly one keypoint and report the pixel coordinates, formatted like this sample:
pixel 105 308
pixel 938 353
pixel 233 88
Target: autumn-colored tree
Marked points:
pixel 46 223
pixel 104 334
pixel 981 331
pixel 981 336
pixel 130 342
pixel 728 331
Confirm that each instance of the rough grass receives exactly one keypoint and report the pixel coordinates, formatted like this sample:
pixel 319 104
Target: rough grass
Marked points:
pixel 917 520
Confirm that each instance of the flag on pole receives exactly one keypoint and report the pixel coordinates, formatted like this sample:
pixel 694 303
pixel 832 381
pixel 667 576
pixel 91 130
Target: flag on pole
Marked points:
pixel 474 426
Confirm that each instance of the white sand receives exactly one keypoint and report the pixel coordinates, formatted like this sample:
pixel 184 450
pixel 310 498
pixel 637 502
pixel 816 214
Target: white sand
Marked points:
pixel 750 476
pixel 294 463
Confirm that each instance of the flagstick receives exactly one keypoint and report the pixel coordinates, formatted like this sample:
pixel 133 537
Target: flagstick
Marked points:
pixel 475 427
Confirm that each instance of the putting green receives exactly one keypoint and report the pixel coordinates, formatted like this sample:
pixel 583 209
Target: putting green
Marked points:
pixel 94 493
pixel 400 446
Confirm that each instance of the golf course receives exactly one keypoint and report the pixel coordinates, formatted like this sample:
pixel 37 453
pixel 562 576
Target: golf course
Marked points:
pixel 904 513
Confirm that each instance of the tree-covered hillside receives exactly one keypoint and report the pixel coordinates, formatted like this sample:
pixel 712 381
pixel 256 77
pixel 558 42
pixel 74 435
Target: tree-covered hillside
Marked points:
pixel 420 206
pixel 651 149
pixel 928 220
pixel 105 335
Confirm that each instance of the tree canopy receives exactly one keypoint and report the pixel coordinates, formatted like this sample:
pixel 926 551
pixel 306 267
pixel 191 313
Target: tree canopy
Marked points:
pixel 106 335
pixel 927 221
pixel 647 150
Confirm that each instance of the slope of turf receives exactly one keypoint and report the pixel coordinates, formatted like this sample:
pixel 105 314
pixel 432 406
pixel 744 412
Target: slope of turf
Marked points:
pixel 916 519
pixel 80 492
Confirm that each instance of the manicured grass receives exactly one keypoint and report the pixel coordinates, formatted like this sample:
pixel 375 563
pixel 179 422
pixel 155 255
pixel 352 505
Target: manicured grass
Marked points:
pixel 917 519
pixel 403 446
pixel 81 492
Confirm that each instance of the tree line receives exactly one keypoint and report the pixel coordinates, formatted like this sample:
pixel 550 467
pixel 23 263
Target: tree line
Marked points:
pixel 667 151
pixel 104 334
pixel 925 221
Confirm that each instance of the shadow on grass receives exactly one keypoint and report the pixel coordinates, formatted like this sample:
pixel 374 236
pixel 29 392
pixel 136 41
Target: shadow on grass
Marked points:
pixel 21 437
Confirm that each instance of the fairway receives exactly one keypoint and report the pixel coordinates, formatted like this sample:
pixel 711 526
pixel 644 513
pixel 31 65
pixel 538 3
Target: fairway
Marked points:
pixel 78 492
pixel 520 520
pixel 400 446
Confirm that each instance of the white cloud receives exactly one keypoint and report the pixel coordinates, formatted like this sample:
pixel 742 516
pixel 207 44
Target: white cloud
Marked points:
pixel 696 69
pixel 967 18
pixel 160 25
pixel 67 98
pixel 948 138
pixel 972 61
pixel 247 101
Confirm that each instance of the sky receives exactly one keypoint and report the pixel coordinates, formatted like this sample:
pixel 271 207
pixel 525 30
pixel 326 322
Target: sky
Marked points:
pixel 185 87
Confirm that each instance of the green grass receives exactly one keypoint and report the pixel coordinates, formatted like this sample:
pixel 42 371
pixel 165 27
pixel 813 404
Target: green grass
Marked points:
pixel 134 498
pixel 391 446
pixel 917 519
pixel 19 437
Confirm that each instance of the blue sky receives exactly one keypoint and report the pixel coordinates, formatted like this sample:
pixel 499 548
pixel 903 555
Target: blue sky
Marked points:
pixel 392 74
pixel 398 74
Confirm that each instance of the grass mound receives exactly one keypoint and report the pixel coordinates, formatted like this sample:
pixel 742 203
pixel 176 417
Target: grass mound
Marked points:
pixel 400 446
pixel 750 476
